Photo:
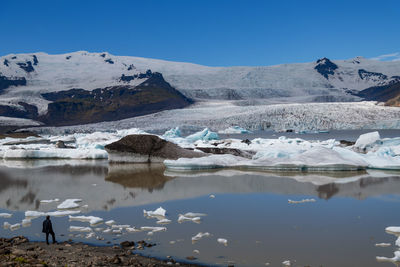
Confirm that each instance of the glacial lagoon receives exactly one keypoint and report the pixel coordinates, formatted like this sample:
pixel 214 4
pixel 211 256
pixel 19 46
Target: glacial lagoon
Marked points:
pixel 250 209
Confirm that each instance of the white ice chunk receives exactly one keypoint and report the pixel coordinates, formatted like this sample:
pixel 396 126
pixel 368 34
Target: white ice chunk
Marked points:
pixel 287 263
pixel 60 213
pixel 107 231
pixel 160 212
pixel 80 229
pixel 199 236
pixel 196 251
pixel 163 221
pixel 394 230
pixel 383 245
pixel 6 225
pixel 26 222
pixel 90 219
pixel 183 218
pixel 121 226
pixel 34 214
pixel 397 243
pixel 368 139
pixel 70 204
pixel 5 215
pixel 222 241
pixel 153 228
pixel 90 235
pixel 110 222
pixel 14 227
pixel 132 230
pixel 45 201
pixel 301 201
pixel 194 214
pixel 395 259
pixel 117 231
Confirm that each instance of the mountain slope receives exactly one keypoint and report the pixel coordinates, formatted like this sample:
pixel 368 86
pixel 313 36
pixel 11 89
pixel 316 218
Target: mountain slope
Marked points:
pixel 41 86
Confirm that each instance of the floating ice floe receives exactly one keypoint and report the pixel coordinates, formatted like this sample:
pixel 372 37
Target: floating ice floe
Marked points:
pixel 117 231
pixel 395 259
pixel 212 196
pixel 222 241
pixel 199 236
pixel 287 263
pixel 45 201
pixel 57 213
pixel 92 220
pixel 26 222
pixel 383 245
pixel 90 235
pixel 164 221
pixel 6 225
pixel 153 228
pixel 99 229
pixel 301 201
pixel 194 214
pixel 120 226
pixel 110 222
pixel 107 231
pixel 5 215
pixel 80 229
pixel 394 230
pixel 14 227
pixel 70 204
pixel 160 212
pixel 183 218
pixel 132 230
pixel 234 130
pixel 196 251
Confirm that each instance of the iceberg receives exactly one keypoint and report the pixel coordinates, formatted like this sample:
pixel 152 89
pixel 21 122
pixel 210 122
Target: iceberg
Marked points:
pixel 367 140
pixel 6 225
pixel 172 133
pixel 204 135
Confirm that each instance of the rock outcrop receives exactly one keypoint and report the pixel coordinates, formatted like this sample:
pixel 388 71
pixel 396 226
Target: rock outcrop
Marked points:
pixel 147 148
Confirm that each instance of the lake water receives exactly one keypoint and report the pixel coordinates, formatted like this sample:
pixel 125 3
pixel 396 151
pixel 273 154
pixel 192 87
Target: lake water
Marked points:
pixel 250 210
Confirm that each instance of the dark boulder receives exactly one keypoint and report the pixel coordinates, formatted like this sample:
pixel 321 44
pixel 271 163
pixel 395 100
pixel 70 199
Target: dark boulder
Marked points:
pixel 146 148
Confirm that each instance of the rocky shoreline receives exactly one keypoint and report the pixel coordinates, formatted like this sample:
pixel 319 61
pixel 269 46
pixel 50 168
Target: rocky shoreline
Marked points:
pixel 19 251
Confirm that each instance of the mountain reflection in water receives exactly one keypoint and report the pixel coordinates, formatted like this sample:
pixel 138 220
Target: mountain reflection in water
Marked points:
pixel 105 186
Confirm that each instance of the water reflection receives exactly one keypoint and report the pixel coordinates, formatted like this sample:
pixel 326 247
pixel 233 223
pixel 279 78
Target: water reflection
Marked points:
pixel 250 209
pixel 105 186
pixel 149 176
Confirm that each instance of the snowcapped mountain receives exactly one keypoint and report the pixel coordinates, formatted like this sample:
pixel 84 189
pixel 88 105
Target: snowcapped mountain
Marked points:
pixel 38 86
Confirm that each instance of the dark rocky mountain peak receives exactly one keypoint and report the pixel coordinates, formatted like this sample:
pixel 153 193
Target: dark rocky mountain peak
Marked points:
pixel 325 67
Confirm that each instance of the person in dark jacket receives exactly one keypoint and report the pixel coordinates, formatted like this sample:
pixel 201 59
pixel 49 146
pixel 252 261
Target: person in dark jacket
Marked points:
pixel 48 229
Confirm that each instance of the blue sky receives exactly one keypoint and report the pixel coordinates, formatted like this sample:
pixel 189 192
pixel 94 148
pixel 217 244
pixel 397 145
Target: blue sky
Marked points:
pixel 215 32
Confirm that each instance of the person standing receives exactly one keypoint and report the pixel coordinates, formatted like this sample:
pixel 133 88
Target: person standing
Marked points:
pixel 48 229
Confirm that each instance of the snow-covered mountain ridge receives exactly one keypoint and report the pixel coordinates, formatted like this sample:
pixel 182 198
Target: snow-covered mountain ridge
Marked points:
pixel 26 79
